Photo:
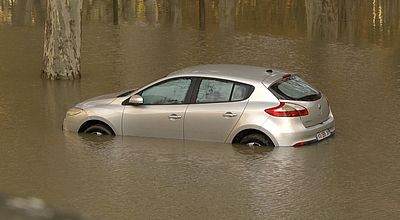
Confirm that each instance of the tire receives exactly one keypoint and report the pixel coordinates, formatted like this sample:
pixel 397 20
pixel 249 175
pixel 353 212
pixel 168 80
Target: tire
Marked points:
pixel 256 140
pixel 98 129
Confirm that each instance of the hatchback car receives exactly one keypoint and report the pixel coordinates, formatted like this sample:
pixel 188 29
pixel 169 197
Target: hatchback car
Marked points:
pixel 219 103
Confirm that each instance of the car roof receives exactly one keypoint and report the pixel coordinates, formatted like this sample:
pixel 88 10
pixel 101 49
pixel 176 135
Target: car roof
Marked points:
pixel 234 72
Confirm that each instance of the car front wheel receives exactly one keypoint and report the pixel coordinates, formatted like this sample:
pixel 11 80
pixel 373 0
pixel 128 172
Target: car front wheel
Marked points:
pixel 256 140
pixel 98 129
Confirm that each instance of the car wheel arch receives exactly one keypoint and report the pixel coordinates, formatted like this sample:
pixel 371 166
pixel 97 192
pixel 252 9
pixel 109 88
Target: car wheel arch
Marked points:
pixel 246 131
pixel 92 122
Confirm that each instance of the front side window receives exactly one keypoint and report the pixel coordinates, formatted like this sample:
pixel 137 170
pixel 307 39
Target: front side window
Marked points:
pixel 167 93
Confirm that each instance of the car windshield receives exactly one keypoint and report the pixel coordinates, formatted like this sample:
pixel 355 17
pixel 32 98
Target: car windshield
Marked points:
pixel 294 88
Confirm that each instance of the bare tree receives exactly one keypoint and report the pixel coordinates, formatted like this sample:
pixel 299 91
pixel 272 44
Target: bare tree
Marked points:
pixel 226 14
pixel 322 19
pixel 62 40
pixel 202 14
pixel 176 11
pixel 115 11
pixel 127 9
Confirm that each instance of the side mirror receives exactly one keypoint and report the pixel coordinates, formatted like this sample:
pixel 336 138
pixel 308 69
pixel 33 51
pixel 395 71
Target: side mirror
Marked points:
pixel 136 100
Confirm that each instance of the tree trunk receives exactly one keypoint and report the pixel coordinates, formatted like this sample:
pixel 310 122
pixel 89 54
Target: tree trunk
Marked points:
pixel 115 11
pixel 175 8
pixel 226 14
pixel 322 19
pixel 202 14
pixel 62 40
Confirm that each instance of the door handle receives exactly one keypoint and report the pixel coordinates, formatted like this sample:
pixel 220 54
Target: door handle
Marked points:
pixel 174 117
pixel 229 115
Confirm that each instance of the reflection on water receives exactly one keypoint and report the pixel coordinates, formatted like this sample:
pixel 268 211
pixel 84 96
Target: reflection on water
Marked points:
pixel 372 21
pixel 348 49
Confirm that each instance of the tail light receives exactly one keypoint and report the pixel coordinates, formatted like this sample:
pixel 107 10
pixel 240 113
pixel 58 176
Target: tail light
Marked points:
pixel 286 76
pixel 286 109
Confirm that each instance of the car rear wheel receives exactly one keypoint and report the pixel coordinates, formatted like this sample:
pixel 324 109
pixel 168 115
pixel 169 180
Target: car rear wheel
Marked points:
pixel 98 129
pixel 256 140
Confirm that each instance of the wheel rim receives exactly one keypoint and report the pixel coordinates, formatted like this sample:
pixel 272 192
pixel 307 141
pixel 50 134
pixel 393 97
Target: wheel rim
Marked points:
pixel 254 144
pixel 98 133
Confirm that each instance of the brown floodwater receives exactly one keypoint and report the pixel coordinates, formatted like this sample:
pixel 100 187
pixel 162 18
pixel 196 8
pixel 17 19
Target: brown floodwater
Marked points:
pixel 350 50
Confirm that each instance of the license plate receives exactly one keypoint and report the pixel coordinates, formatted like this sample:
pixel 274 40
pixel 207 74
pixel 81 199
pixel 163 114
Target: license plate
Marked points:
pixel 323 134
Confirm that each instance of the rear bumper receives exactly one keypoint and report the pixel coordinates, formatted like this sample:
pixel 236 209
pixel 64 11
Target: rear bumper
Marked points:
pixel 314 140
pixel 291 131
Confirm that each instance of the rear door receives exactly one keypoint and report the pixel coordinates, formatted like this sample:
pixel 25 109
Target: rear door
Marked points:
pixel 215 109
pixel 162 112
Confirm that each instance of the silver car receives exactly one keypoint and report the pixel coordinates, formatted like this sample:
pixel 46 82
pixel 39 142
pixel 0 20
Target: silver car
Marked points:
pixel 219 103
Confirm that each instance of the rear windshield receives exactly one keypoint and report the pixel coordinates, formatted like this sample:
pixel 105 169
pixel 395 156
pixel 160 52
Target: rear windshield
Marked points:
pixel 294 88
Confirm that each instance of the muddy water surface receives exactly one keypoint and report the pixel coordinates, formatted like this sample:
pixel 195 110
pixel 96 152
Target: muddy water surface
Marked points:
pixel 353 57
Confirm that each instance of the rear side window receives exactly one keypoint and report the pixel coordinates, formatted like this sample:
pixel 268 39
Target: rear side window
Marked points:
pixel 240 92
pixel 294 88
pixel 215 90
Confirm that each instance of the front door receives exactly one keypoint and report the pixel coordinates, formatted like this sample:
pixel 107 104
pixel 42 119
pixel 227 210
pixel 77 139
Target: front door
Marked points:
pixel 162 112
